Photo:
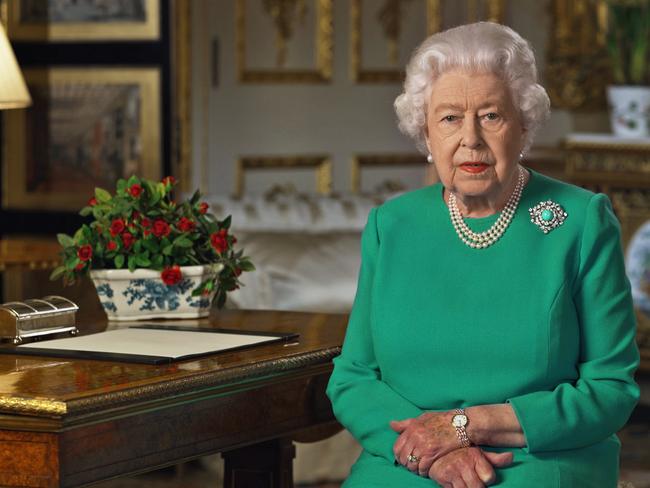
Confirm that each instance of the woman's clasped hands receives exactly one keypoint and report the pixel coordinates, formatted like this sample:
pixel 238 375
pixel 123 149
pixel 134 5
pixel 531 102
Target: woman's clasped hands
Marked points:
pixel 428 446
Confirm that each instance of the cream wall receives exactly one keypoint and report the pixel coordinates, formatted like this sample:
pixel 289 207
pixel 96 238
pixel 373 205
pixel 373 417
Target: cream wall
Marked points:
pixel 339 119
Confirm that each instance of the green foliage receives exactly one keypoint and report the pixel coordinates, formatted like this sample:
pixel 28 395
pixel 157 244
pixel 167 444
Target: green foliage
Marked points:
pixel 102 196
pixel 142 226
pixel 628 41
pixel 65 240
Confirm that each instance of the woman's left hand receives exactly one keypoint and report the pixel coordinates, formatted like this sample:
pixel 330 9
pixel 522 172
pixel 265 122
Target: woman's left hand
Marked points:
pixel 429 437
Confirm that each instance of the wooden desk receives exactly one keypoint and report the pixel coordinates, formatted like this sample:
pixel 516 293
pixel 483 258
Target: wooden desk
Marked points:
pixel 73 422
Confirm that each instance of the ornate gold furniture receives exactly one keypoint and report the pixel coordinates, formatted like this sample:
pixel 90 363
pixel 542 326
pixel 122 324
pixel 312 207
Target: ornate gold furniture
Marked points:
pixel 73 422
pixel 608 163
pixel 577 68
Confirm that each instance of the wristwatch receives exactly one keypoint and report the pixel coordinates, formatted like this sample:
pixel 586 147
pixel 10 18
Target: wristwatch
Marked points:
pixel 459 421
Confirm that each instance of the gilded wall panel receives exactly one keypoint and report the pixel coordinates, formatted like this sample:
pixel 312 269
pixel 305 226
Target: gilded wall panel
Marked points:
pixel 387 173
pixel 284 41
pixel 284 173
pixel 383 33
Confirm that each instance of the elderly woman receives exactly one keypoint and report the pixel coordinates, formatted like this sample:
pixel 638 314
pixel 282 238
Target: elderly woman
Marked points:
pixel 493 318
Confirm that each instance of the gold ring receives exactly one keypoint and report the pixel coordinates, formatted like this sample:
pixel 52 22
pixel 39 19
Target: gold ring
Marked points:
pixel 413 458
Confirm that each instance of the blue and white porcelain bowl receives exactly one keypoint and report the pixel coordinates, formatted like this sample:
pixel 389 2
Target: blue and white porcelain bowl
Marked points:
pixel 637 263
pixel 142 295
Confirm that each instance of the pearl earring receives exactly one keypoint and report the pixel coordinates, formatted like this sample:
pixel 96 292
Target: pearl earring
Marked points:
pixel 430 159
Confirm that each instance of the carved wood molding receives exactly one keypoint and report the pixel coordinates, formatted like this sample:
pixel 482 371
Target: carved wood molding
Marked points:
pixel 196 386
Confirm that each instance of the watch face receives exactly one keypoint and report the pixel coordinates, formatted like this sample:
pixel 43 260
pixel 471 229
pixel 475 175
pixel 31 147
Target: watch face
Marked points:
pixel 459 420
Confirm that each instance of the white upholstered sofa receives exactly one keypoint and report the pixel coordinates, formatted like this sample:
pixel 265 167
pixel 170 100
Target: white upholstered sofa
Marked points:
pixel 306 252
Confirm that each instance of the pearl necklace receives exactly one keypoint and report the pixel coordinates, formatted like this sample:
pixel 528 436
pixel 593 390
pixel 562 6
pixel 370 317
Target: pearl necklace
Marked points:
pixel 481 240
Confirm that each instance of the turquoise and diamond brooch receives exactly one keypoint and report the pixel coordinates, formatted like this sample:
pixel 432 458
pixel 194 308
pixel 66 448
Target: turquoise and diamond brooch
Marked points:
pixel 547 215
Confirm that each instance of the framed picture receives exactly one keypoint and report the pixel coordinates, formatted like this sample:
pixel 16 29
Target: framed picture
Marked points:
pixel 279 41
pixel 86 128
pixel 83 20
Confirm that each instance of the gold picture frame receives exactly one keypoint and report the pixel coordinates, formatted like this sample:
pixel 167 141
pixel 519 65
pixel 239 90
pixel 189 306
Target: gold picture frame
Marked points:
pixel 323 41
pixel 126 22
pixel 390 16
pixel 391 161
pixel 86 128
pixel 321 164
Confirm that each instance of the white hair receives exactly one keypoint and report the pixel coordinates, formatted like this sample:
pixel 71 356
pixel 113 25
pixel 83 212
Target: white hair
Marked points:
pixel 479 47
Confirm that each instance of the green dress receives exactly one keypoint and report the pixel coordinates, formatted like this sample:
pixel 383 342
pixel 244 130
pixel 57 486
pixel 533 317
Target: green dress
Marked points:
pixel 542 321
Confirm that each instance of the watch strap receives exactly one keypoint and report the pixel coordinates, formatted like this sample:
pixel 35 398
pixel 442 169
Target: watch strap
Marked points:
pixel 461 431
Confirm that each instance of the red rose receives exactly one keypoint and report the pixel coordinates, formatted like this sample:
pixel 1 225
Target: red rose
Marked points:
pixel 117 227
pixel 80 266
pixel 85 252
pixel 135 190
pixel 111 245
pixel 219 241
pixel 161 228
pixel 168 180
pixel 92 202
pixel 185 225
pixel 203 207
pixel 237 271
pixel 145 222
pixel 147 233
pixel 171 275
pixel 135 215
pixel 127 239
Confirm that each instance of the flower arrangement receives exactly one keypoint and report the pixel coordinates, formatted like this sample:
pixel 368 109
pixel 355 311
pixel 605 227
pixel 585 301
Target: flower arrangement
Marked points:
pixel 142 226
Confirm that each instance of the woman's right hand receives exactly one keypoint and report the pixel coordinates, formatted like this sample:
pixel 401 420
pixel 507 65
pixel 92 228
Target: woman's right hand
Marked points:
pixel 468 467
pixel 429 437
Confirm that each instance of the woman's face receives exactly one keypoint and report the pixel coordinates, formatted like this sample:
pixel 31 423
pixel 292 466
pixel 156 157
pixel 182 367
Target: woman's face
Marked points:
pixel 474 134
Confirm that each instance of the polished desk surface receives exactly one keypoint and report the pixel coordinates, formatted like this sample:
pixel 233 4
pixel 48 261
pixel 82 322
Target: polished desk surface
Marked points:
pixel 63 388
pixel 80 421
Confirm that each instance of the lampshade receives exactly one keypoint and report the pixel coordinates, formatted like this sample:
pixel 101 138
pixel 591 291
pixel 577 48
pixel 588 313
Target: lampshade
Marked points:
pixel 13 91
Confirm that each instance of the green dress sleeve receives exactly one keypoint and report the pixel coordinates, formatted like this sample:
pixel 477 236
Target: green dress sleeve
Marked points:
pixel 599 402
pixel 362 402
